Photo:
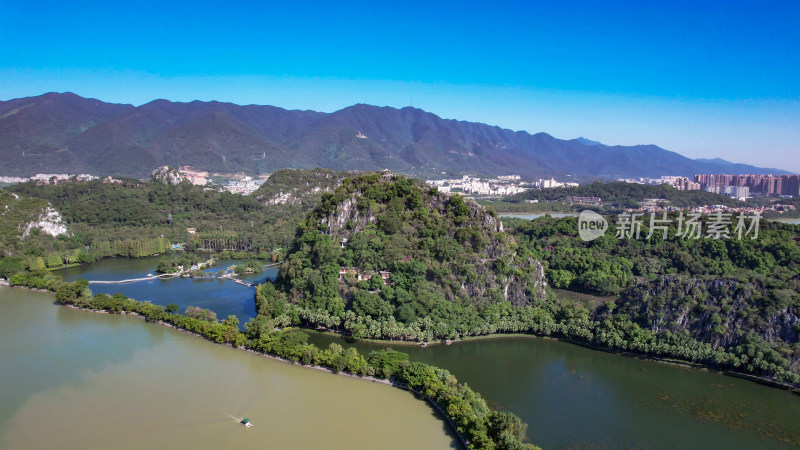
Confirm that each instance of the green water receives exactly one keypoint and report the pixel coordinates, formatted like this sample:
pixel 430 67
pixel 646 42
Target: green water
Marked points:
pixel 574 397
pixel 77 380
pixel 571 397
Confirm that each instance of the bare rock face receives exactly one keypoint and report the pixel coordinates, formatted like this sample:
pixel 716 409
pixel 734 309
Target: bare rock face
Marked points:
pixel 49 222
pixel 348 219
pixel 298 187
pixel 290 197
pixel 168 175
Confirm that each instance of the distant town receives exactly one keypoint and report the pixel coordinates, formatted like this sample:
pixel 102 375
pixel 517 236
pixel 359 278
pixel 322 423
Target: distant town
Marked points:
pixel 662 205
pixel 236 183
pixel 740 187
pixel 500 186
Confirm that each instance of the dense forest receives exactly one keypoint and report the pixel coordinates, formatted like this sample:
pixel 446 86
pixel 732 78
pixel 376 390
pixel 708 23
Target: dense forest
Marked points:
pixel 619 195
pixel 387 250
pixel 141 218
pixel 383 256
pixel 729 303
pixel 733 294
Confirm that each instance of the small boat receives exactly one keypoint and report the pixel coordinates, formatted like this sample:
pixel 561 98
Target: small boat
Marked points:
pixel 246 422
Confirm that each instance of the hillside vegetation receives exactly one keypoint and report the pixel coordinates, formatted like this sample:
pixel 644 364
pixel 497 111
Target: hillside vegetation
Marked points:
pixel 451 271
pixel 16 212
pixel 741 296
pixel 436 263
pixel 294 187
pixel 135 218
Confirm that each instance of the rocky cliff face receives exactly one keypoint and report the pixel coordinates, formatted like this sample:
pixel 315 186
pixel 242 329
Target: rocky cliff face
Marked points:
pixel 48 222
pixel 292 197
pixel 168 175
pixel 348 219
pixel 721 311
pixel 20 215
pixel 351 216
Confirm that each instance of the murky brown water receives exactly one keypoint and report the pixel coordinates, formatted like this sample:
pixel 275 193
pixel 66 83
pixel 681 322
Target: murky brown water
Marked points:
pixel 72 379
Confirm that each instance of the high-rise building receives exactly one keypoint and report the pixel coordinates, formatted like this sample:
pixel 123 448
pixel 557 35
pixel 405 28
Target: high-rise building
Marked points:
pixel 756 184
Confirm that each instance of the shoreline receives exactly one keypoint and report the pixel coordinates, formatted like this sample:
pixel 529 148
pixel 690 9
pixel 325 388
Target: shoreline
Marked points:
pixel 395 384
pixel 72 266
pixel 326 331
pixel 642 357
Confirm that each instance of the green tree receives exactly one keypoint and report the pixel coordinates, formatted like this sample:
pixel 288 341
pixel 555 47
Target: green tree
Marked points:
pixel 259 327
pixel 386 362
pixel 37 263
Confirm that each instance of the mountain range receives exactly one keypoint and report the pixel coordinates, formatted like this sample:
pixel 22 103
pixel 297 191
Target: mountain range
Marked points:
pixel 66 133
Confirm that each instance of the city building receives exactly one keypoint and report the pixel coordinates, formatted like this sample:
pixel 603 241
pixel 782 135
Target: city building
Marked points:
pixel 245 185
pixel 757 184
pixel 679 183
pixel 501 186
pixel 552 183
pixel 685 184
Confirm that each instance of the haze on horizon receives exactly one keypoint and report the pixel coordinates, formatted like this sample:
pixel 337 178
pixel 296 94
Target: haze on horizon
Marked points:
pixel 710 80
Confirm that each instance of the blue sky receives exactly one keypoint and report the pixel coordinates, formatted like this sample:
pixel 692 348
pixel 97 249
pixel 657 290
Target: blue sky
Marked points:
pixel 705 79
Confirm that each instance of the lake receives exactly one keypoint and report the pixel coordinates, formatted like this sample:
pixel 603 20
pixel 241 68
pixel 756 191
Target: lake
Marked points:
pixel 569 395
pixel 575 397
pixel 77 380
pixel 219 295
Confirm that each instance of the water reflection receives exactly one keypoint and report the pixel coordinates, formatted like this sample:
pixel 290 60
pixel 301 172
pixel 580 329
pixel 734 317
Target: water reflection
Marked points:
pixel 219 295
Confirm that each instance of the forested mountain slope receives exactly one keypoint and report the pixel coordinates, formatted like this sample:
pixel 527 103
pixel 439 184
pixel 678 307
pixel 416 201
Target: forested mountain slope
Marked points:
pixel 57 133
pixel 392 250
pixel 140 218
pixel 742 295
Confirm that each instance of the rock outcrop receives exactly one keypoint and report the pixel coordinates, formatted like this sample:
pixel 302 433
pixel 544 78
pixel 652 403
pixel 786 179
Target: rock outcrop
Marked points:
pixel 168 175
pixel 49 222
pixel 721 311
